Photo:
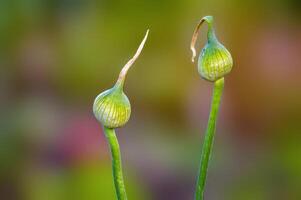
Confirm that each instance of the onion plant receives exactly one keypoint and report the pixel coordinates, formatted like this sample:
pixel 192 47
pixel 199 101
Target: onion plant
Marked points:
pixel 112 109
pixel 214 63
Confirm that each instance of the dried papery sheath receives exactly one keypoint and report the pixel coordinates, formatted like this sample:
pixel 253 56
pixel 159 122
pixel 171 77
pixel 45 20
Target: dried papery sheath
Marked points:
pixel 215 60
pixel 112 107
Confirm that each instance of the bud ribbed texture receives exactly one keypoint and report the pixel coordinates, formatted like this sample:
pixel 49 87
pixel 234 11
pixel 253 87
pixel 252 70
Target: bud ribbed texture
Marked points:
pixel 112 108
pixel 215 61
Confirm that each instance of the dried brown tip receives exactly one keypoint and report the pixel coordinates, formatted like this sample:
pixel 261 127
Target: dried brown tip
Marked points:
pixel 209 20
pixel 132 60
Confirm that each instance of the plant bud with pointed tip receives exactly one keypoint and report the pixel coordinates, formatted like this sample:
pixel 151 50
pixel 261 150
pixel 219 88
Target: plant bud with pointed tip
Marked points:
pixel 112 108
pixel 215 60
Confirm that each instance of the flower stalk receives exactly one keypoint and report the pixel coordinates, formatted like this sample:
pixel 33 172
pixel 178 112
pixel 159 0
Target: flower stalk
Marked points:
pixel 116 163
pixel 209 138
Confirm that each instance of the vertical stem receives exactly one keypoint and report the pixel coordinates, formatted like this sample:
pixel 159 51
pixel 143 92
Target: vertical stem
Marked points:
pixel 209 137
pixel 116 163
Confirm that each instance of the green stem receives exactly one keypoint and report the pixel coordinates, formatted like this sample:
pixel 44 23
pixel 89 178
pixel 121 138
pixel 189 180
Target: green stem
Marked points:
pixel 209 137
pixel 116 163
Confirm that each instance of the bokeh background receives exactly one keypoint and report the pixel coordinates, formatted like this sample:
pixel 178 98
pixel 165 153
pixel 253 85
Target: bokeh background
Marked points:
pixel 57 55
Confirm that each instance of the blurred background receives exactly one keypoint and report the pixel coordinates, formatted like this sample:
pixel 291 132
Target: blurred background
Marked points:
pixel 57 55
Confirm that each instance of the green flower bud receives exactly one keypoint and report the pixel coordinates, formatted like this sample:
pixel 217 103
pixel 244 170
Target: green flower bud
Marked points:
pixel 112 108
pixel 215 60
